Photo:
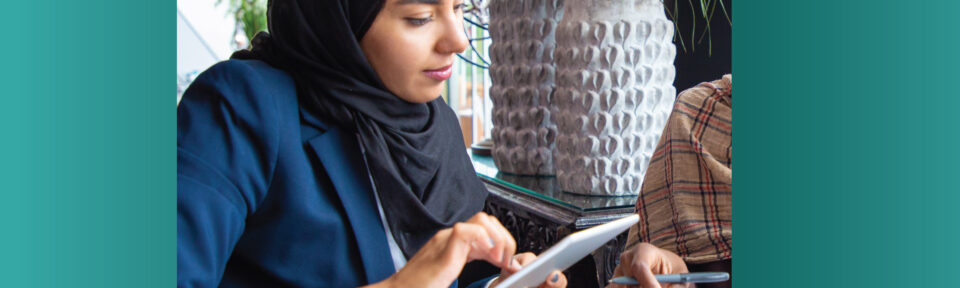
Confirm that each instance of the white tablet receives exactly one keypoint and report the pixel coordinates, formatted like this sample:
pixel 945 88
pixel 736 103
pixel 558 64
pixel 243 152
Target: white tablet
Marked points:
pixel 567 252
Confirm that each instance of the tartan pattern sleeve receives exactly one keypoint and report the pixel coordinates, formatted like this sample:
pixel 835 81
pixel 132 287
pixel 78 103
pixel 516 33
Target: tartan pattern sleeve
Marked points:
pixel 685 203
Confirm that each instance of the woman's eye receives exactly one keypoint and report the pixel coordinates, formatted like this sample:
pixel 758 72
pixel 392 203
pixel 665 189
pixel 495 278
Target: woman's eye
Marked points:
pixel 419 21
pixel 459 7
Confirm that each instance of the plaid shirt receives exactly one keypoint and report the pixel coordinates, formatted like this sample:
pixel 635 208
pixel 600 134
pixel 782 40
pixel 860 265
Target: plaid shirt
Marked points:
pixel 685 201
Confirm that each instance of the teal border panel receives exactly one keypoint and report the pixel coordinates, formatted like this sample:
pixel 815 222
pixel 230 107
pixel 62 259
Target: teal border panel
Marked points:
pixel 87 156
pixel 846 143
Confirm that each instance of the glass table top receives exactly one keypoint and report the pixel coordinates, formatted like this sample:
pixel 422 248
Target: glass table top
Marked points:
pixel 547 188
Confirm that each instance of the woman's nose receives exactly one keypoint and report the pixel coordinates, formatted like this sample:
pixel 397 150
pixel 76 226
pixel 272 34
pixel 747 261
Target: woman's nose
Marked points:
pixel 453 39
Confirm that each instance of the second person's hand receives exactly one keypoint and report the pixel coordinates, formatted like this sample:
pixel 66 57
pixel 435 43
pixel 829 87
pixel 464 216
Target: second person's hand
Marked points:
pixel 644 260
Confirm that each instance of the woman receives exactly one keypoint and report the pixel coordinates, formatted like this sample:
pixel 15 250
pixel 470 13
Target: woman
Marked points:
pixel 324 157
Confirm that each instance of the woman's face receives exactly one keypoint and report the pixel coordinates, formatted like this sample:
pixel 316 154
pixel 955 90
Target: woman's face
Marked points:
pixel 411 46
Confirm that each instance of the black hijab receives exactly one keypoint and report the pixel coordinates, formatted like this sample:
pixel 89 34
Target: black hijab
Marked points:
pixel 414 152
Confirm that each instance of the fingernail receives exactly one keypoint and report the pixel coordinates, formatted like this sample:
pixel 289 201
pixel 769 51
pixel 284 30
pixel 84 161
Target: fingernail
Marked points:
pixel 556 277
pixel 491 242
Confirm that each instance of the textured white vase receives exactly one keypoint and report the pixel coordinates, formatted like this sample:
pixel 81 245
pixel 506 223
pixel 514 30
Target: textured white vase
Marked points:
pixel 522 71
pixel 614 93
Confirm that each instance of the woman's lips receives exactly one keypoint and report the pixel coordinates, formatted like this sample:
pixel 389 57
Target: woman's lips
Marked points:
pixel 440 74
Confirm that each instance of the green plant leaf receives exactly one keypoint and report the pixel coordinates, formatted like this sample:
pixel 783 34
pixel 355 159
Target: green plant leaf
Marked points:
pixel 725 13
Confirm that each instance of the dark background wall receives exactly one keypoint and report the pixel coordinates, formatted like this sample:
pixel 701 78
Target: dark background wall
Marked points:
pixel 697 64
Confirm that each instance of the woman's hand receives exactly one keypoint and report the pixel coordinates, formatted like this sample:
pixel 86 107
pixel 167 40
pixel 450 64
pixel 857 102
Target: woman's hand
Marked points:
pixel 439 262
pixel 554 280
pixel 644 260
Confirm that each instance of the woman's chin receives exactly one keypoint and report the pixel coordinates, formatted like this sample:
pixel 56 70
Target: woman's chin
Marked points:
pixel 422 96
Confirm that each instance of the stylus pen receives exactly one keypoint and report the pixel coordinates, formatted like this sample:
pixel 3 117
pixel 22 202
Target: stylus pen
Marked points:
pixel 699 277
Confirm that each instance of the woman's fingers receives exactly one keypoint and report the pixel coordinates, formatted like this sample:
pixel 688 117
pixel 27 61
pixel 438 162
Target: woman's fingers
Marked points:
pixel 497 254
pixel 510 245
pixel 520 261
pixel 555 280
pixel 439 262
pixel 525 258
pixel 469 242
pixel 505 245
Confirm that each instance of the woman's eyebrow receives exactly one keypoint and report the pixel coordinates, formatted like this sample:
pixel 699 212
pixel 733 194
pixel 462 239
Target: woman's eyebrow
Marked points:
pixel 430 2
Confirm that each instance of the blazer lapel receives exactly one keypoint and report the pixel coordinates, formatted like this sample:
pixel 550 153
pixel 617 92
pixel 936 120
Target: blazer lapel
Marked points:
pixel 340 156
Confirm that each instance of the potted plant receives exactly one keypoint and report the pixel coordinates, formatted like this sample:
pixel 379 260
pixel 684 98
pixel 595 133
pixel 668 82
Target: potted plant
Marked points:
pixel 251 17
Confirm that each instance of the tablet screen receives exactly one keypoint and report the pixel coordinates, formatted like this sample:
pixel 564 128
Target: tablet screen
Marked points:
pixel 567 252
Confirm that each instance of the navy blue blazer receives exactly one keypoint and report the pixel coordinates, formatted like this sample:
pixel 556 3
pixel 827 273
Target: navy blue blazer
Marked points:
pixel 268 196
